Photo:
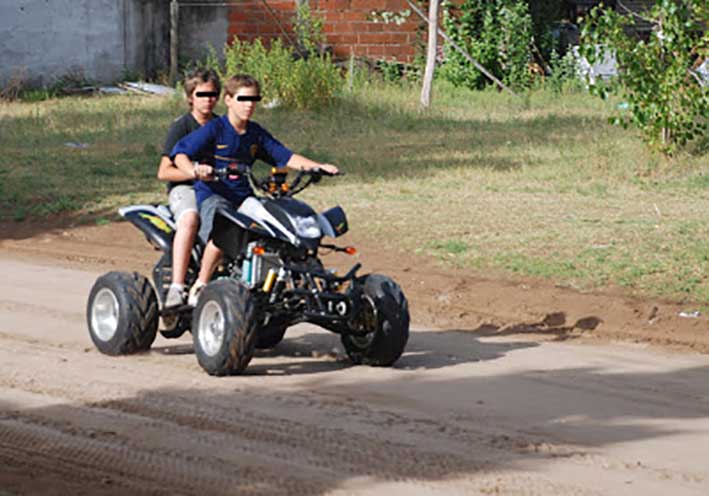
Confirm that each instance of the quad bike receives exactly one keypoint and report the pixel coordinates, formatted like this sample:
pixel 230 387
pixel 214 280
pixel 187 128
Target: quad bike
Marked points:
pixel 271 278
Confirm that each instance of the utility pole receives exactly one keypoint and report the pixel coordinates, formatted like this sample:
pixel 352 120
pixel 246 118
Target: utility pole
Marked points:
pixel 430 53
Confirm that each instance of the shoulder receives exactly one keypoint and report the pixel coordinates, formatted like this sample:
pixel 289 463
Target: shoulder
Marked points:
pixel 217 122
pixel 185 120
pixel 258 129
pixel 180 124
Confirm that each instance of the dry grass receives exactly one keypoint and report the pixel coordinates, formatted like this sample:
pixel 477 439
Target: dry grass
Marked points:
pixel 542 187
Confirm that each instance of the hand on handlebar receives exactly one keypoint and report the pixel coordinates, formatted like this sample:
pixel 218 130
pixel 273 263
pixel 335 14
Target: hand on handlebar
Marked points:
pixel 328 169
pixel 203 172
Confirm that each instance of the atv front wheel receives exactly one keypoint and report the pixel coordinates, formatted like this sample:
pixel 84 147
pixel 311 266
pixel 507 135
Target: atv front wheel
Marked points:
pixel 122 313
pixel 381 330
pixel 224 327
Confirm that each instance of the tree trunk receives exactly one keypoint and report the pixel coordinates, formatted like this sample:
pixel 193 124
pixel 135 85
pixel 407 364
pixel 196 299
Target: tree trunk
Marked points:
pixel 430 53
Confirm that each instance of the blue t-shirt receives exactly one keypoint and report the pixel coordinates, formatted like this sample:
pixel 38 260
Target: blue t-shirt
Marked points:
pixel 219 139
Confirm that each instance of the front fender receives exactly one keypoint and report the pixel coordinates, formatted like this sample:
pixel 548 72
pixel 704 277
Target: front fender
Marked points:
pixel 333 222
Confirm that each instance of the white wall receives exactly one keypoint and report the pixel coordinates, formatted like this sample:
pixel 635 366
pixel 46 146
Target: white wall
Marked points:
pixel 104 38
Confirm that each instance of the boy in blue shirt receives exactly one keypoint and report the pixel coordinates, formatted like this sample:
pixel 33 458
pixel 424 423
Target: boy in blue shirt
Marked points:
pixel 232 138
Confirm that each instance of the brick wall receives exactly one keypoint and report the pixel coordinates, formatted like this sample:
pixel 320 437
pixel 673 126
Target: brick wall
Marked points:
pixel 347 26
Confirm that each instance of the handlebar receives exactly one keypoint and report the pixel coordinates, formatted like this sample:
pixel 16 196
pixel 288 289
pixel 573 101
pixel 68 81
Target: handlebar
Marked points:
pixel 275 184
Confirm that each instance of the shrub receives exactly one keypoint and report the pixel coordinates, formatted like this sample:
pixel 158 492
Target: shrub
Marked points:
pixel 310 81
pixel 299 83
pixel 497 33
pixel 15 85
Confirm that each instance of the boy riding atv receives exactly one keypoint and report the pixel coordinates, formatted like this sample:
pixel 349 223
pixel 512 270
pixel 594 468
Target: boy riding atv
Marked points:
pixel 202 88
pixel 231 139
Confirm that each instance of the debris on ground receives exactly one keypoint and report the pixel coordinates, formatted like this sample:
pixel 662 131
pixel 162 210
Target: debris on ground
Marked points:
pixel 147 88
pixel 690 315
pixel 112 90
pixel 76 144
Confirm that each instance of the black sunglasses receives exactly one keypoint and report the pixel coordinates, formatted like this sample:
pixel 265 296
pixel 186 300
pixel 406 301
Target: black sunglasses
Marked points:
pixel 207 94
pixel 246 98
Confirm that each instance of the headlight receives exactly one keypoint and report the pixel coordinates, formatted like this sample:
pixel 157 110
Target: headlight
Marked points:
pixel 307 227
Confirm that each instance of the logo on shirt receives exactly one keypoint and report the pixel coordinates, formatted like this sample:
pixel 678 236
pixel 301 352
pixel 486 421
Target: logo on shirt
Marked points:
pixel 221 147
pixel 253 150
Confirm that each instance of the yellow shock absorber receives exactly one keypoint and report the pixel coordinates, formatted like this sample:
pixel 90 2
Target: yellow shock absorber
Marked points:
pixel 268 282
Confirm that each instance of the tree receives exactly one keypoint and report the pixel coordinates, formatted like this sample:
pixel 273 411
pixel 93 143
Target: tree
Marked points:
pixel 666 98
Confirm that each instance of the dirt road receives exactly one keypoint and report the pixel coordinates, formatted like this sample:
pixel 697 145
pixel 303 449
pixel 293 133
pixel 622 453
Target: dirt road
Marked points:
pixel 459 414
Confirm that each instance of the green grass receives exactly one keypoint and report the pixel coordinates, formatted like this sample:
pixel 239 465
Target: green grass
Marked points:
pixel 539 186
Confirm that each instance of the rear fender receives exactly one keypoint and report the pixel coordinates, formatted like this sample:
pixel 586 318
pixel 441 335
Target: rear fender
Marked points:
pixel 155 223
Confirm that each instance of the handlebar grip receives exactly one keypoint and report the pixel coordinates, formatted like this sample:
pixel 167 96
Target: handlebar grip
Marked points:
pixel 224 173
pixel 322 172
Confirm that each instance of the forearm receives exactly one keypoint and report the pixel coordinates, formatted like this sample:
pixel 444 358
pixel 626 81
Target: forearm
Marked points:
pixel 299 162
pixel 167 171
pixel 185 165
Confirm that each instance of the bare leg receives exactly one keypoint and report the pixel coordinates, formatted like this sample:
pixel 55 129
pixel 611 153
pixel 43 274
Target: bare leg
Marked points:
pixel 210 259
pixel 182 245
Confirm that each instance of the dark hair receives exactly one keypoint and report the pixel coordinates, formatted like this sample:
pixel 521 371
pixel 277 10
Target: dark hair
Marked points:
pixel 201 76
pixel 234 83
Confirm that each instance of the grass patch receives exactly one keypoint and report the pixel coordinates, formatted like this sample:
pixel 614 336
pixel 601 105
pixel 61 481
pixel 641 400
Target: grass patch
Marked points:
pixel 538 187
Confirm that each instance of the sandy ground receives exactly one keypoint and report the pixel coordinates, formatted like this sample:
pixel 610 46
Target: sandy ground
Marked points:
pixel 506 387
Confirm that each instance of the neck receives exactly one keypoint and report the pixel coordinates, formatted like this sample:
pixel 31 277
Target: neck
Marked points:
pixel 200 117
pixel 239 124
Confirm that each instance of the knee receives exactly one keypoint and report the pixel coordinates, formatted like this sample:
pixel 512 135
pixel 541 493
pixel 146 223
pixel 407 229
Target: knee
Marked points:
pixel 189 222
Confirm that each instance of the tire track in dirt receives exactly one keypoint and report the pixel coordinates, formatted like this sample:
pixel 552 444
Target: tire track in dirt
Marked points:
pixel 459 415
pixel 322 448
pixel 346 450
pixel 216 447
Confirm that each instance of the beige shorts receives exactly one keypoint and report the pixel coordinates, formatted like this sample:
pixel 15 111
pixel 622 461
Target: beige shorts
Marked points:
pixel 182 200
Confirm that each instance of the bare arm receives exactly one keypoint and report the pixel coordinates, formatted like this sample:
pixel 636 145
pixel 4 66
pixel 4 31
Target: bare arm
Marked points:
pixel 167 171
pixel 299 162
pixel 202 172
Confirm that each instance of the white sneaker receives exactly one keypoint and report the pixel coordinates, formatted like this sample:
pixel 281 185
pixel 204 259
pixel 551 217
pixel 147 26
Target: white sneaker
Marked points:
pixel 175 296
pixel 195 290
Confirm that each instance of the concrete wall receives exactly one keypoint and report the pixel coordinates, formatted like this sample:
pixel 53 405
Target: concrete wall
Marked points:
pixel 48 38
pixel 201 27
pixel 106 39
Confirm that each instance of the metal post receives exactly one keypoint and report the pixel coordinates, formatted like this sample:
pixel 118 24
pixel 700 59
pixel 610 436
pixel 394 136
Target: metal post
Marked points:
pixel 174 40
pixel 430 54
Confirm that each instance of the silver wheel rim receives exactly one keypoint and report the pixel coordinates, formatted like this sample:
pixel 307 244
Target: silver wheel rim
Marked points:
pixel 104 314
pixel 211 328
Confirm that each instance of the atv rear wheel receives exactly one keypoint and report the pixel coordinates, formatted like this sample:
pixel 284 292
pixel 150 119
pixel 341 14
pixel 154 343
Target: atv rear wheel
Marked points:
pixel 224 327
pixel 381 330
pixel 122 313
